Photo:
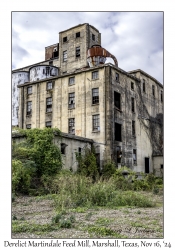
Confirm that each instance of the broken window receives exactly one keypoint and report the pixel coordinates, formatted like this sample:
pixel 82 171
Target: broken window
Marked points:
pixel 161 96
pixel 132 85
pixel 63 148
pixel 144 85
pixel 161 166
pixel 48 124
pixel 117 77
pixel 71 104
pixel 153 90
pixel 133 128
pixel 117 100
pixel 71 80
pixel 29 90
pixel 17 109
pixel 49 85
pixel 132 104
pixel 28 126
pixel 96 122
pixel 78 51
pixel 118 132
pixel 95 75
pixel 65 56
pixel 29 108
pixel 95 96
pixel 134 156
pixel 93 37
pixel 47 70
pixel 72 126
pixel 64 39
pixel 77 34
pixel 49 104
pixel 79 151
pixel 51 63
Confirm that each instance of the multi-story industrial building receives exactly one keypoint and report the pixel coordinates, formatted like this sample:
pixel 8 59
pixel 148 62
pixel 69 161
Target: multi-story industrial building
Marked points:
pixel 75 91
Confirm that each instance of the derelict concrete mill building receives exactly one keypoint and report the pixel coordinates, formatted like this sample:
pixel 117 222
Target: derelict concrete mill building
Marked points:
pixel 75 91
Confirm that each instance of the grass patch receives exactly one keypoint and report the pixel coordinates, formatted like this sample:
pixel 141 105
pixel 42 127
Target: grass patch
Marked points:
pixel 103 221
pixel 103 231
pixel 21 227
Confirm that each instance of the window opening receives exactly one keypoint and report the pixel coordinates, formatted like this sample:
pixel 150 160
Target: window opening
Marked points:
pixel 71 100
pixel 77 34
pixel 65 56
pixel 49 104
pixel 29 108
pixel 51 63
pixel 134 155
pixel 72 125
pixel 71 80
pixel 132 85
pixel 161 96
pixel 132 104
pixel 117 77
pixel 28 126
pixel 93 37
pixel 96 122
pixel 133 128
pixel 29 90
pixel 49 85
pixel 78 51
pixel 63 148
pixel 117 100
pixel 48 124
pixel 143 85
pixel 95 75
pixel 153 90
pixel 118 132
pixel 64 39
pixel 95 96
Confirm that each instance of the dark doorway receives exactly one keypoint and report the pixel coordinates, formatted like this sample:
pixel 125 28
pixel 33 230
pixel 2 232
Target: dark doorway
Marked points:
pixel 146 165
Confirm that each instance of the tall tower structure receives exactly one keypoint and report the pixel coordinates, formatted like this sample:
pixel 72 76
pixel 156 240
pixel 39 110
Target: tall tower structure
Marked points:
pixel 73 46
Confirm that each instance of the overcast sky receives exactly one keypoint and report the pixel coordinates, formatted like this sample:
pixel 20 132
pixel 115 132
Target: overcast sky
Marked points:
pixel 134 38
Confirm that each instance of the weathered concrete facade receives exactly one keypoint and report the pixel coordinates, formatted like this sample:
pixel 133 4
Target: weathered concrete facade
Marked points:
pixel 120 111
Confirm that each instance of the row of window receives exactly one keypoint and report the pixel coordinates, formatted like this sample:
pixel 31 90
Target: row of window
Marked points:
pixel 143 87
pixel 77 35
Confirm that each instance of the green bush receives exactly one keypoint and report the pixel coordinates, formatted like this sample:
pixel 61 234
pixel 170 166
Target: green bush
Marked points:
pixel 108 169
pixel 21 177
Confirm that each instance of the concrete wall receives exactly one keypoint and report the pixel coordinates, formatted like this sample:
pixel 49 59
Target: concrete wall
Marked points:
pixel 157 162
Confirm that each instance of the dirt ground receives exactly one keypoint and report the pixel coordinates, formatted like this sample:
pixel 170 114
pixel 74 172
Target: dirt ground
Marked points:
pixel 124 221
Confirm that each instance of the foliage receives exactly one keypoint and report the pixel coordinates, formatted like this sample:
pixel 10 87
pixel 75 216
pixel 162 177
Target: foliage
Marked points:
pixel 87 164
pixel 108 169
pixel 21 177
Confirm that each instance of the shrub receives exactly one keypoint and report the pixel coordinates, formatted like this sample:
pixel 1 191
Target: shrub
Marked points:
pixel 108 169
pixel 21 177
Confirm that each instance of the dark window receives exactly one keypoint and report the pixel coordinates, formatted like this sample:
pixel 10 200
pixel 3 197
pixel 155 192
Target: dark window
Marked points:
pixel 117 100
pixel 47 70
pixel 118 132
pixel 71 100
pixel 71 80
pixel 134 155
pixel 28 126
pixel 17 109
pixel 29 90
pixel 144 85
pixel 133 128
pixel 48 124
pixel 65 56
pixel 132 104
pixel 95 96
pixel 117 77
pixel 153 90
pixel 64 39
pixel 161 166
pixel 49 104
pixel 49 85
pixel 161 96
pixel 72 126
pixel 79 151
pixel 63 148
pixel 95 75
pixel 51 63
pixel 132 85
pixel 78 51
pixel 77 34
pixel 93 37
pixel 29 108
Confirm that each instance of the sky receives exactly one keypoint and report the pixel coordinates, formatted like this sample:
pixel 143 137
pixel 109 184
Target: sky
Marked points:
pixel 134 38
